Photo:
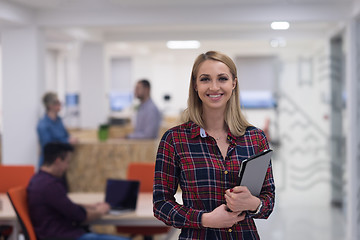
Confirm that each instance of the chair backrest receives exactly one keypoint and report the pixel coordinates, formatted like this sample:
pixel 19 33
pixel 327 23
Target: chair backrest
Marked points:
pixel 144 172
pixel 18 198
pixel 15 175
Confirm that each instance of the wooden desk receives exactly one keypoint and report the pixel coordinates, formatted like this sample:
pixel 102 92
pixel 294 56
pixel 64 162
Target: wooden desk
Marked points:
pixel 8 215
pixel 142 216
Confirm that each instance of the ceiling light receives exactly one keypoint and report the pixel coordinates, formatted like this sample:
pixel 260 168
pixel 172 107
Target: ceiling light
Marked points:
pixel 280 25
pixel 193 44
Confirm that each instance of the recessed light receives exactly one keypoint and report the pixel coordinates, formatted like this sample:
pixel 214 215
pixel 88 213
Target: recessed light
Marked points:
pixel 191 44
pixel 280 25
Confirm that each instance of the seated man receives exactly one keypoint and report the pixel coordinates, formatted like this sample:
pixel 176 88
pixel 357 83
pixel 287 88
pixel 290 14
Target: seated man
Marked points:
pixel 52 213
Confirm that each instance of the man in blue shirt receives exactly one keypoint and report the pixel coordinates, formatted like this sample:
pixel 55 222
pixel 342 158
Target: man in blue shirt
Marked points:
pixel 51 128
pixel 52 213
pixel 148 117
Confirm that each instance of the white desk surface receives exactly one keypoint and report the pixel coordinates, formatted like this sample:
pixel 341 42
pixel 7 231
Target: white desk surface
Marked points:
pixel 142 216
pixel 8 215
pixel 7 212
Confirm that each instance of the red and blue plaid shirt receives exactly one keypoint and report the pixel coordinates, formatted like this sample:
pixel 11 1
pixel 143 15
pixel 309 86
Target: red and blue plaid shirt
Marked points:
pixel 189 157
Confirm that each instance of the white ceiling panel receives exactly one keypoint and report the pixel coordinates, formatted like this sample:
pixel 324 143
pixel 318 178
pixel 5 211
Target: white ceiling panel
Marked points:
pixel 144 20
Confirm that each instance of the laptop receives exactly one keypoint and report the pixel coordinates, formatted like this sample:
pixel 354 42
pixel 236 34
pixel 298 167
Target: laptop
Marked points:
pixel 121 195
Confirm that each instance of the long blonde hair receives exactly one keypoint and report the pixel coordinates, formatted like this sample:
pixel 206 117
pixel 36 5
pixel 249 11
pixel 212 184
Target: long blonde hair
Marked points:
pixel 234 118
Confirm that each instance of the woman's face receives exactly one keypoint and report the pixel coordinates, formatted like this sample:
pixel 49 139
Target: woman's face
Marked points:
pixel 214 84
pixel 55 106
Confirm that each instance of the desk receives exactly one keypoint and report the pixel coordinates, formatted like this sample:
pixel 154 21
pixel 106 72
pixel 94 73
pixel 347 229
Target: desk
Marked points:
pixel 142 216
pixel 8 215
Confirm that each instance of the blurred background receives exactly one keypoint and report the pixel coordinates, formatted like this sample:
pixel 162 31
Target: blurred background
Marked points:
pixel 300 83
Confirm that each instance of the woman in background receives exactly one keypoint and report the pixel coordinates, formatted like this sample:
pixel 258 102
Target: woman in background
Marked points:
pixel 50 128
pixel 203 156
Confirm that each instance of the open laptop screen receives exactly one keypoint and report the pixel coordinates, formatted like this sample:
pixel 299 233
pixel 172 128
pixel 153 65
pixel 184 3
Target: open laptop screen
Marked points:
pixel 122 194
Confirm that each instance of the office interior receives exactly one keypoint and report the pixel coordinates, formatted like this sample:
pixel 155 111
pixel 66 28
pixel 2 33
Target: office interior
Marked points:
pixel 301 84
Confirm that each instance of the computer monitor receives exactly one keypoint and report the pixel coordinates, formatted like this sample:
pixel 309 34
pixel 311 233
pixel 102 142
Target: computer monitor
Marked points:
pixel 71 99
pixel 120 100
pixel 257 99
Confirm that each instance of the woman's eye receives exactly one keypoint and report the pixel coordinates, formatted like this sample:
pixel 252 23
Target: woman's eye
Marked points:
pixel 223 78
pixel 204 79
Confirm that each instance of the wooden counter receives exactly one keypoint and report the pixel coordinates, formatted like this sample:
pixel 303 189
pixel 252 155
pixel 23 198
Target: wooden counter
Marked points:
pixel 93 162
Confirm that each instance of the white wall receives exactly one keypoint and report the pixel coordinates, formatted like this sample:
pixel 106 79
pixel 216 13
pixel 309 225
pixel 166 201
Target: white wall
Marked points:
pixel 304 166
pixel 93 107
pixel 23 73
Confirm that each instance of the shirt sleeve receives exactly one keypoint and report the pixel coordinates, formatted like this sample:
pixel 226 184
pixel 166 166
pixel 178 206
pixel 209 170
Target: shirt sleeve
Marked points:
pixel 65 137
pixel 57 199
pixel 166 181
pixel 267 194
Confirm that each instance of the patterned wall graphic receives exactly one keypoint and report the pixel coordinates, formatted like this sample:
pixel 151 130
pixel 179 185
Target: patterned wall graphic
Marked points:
pixel 310 142
pixel 304 133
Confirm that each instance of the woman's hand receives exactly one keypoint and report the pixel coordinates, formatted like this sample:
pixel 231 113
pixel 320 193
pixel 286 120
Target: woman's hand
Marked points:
pixel 240 199
pixel 221 218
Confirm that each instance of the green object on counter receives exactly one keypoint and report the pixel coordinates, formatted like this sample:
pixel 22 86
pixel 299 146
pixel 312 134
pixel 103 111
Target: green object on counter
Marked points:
pixel 103 132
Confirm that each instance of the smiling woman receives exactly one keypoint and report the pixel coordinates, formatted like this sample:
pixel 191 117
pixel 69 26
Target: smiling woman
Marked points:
pixel 203 157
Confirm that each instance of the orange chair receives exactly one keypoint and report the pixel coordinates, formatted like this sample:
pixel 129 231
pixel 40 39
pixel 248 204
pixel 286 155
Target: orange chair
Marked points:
pixel 11 176
pixel 18 198
pixel 15 175
pixel 143 172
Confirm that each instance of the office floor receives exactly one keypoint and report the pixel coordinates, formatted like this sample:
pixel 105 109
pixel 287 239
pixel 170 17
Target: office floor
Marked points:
pixel 310 223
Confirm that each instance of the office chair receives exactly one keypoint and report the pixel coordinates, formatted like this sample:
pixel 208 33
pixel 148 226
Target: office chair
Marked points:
pixel 18 198
pixel 143 172
pixel 15 175
pixel 11 176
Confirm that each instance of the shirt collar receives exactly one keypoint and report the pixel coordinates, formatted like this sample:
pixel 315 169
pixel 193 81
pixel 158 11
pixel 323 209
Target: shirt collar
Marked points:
pixel 196 131
pixel 50 120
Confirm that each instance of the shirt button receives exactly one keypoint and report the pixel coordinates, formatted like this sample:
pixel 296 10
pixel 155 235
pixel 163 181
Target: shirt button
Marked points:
pixel 226 172
pixel 230 230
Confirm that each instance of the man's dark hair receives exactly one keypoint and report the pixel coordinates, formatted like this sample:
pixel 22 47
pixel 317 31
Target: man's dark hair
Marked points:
pixel 145 83
pixel 55 150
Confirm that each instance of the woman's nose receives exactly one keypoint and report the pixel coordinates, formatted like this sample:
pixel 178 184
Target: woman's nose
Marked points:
pixel 214 85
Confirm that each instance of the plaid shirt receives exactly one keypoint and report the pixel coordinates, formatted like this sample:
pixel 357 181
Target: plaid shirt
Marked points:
pixel 189 157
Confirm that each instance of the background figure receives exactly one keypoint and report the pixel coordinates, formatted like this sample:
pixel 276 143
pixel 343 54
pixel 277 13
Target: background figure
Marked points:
pixel 52 213
pixel 148 117
pixel 203 156
pixel 50 128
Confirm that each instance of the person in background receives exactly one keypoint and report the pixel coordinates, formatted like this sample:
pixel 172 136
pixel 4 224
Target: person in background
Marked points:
pixel 50 128
pixel 203 156
pixel 52 213
pixel 148 117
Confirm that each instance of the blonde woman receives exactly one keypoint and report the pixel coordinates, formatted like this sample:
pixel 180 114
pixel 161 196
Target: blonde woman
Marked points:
pixel 203 157
pixel 50 127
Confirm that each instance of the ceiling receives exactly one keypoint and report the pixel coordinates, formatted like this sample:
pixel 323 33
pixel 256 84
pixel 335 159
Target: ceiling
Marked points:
pixel 160 20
